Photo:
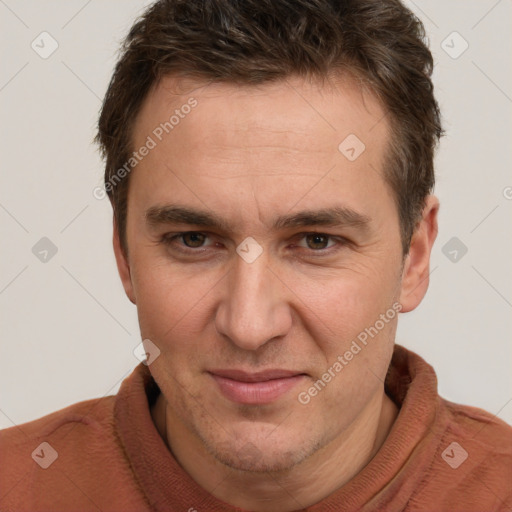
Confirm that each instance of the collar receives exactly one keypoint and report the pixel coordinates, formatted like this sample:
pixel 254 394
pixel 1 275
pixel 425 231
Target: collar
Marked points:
pixel 399 464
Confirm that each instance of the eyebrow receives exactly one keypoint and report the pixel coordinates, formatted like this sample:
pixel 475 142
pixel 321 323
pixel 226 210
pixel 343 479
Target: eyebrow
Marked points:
pixel 334 217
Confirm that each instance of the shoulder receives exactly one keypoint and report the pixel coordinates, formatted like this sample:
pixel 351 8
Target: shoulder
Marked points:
pixel 483 427
pixel 472 466
pixel 60 458
pixel 71 425
pixel 488 438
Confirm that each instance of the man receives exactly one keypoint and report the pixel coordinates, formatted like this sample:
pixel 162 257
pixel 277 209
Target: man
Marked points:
pixel 270 167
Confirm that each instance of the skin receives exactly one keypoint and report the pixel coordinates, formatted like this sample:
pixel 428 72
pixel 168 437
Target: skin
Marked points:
pixel 250 154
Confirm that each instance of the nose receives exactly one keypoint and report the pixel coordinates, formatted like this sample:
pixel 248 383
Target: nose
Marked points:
pixel 254 309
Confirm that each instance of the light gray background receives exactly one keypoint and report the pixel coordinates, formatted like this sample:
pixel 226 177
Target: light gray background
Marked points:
pixel 68 330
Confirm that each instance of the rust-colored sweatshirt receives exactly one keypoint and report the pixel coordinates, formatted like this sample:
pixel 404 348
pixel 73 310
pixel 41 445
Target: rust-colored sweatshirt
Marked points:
pixel 106 454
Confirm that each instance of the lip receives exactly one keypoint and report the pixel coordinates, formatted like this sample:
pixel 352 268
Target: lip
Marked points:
pixel 255 388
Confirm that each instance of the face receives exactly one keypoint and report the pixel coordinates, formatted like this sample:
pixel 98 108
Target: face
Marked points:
pixel 258 252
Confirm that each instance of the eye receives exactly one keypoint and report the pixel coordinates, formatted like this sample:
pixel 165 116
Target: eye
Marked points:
pixel 193 239
pixel 196 242
pixel 186 242
pixel 317 241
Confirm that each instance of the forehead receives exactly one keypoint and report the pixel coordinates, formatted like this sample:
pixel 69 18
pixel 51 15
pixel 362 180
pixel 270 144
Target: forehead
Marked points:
pixel 285 112
pixel 224 146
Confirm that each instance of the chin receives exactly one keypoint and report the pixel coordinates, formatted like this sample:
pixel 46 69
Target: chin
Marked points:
pixel 260 455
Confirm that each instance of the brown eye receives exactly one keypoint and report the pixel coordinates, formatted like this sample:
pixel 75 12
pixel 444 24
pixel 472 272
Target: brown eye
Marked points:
pixel 193 239
pixel 317 241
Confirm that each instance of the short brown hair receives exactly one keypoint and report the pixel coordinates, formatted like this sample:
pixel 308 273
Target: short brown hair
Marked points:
pixel 257 41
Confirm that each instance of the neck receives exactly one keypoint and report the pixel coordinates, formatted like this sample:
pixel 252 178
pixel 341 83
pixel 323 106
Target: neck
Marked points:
pixel 299 487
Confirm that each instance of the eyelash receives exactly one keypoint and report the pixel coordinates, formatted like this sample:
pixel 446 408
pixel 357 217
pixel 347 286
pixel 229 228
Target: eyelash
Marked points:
pixel 340 242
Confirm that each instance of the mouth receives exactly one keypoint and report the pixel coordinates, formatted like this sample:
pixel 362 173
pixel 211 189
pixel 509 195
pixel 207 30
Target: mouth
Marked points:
pixel 256 388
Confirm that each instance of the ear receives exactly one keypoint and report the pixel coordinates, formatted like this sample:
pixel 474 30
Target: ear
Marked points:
pixel 123 265
pixel 415 276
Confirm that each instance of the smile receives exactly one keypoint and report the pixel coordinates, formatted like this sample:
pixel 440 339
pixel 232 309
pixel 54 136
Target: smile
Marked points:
pixel 255 388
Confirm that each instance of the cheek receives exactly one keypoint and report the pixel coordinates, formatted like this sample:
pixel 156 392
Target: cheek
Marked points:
pixel 340 306
pixel 169 300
